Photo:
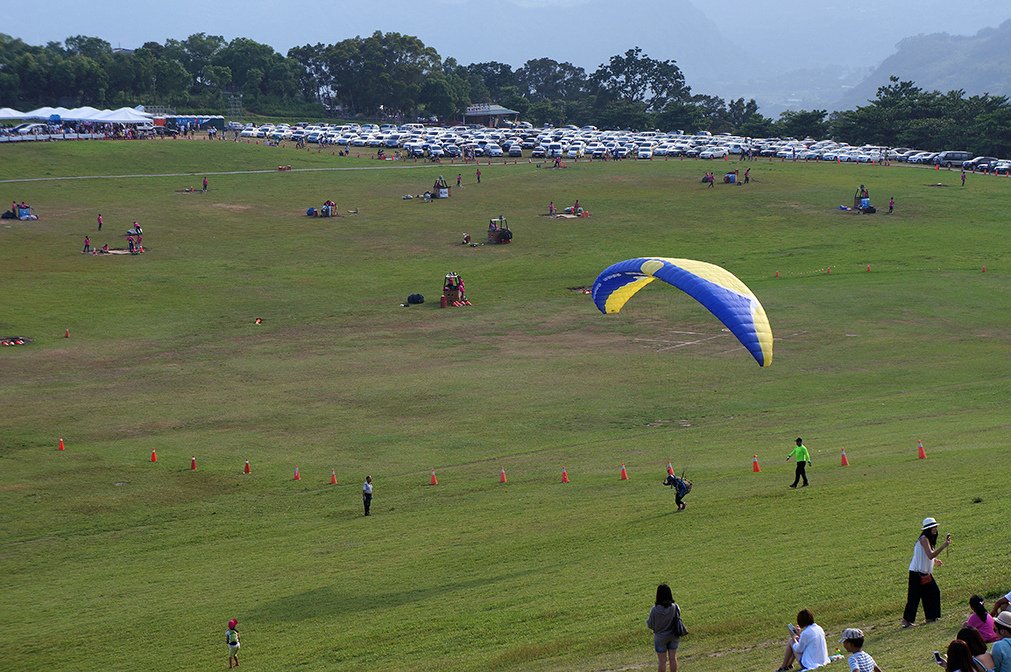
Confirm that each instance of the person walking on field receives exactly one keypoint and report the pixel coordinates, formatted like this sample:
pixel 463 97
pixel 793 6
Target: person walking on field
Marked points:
pixel 665 622
pixel 963 179
pixel 205 183
pixel 922 586
pixel 87 245
pixel 367 494
pixel 459 180
pixel 479 176
pixel 232 639
pixel 891 204
pixel 99 221
pixel 803 458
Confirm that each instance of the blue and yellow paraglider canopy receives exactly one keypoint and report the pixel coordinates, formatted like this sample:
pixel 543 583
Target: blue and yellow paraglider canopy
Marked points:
pixel 716 288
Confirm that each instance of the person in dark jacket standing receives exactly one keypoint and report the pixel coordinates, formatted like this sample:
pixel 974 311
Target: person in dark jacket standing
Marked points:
pixel 802 458
pixel 367 494
pixel 663 619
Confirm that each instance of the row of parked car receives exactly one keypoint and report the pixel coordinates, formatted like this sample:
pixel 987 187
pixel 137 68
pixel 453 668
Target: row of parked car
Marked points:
pixel 518 140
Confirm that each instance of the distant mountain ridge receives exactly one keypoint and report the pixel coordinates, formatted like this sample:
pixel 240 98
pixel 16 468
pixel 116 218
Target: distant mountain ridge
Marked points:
pixel 978 64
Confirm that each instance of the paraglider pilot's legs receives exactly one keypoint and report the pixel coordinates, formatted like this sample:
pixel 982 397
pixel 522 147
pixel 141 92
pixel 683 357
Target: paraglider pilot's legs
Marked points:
pixel 679 500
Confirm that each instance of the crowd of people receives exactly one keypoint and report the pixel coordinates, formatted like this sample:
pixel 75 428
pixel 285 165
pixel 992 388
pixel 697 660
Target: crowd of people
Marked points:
pixel 807 646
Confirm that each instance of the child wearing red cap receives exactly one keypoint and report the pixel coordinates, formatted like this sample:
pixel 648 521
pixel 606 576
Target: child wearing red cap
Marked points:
pixel 232 639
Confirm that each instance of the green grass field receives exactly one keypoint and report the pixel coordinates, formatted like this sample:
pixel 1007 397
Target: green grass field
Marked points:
pixel 110 562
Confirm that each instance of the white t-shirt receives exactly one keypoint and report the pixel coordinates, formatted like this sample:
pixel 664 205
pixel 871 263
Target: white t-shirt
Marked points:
pixel 811 648
pixel 367 488
pixel 920 562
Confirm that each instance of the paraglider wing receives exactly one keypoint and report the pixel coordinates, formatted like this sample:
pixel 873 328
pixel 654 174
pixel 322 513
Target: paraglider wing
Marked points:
pixel 716 288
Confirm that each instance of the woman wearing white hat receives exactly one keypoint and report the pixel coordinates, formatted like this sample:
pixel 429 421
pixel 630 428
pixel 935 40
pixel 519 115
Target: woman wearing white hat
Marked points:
pixel 921 575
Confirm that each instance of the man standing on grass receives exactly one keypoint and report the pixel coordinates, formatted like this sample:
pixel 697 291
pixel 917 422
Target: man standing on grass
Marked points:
pixel 205 184
pixel 99 221
pixel 802 458
pixel 367 494
pixel 479 176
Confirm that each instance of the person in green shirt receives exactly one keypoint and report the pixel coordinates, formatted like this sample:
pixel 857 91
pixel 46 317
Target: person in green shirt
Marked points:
pixel 802 458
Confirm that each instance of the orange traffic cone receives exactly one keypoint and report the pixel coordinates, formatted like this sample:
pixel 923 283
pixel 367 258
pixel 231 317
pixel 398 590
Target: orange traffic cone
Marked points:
pixel 624 473
pixel 868 268
pixel 66 334
pixel 828 271
pixel 502 476
pixel 154 456
pixel 298 476
pixel 754 465
pixel 920 452
pixel 434 480
pixel 60 445
pixel 984 268
pixel 777 274
pixel 193 464
pixel 333 477
pixel 246 468
pixel 845 462
pixel 565 476
pixel 670 469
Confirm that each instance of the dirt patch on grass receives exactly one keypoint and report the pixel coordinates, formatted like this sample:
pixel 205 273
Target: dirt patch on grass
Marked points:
pixel 232 207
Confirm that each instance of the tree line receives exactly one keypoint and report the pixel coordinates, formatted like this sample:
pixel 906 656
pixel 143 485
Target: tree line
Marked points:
pixel 390 75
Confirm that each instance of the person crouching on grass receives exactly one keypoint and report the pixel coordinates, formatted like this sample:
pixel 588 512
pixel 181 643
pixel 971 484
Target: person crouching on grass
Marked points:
pixel 232 639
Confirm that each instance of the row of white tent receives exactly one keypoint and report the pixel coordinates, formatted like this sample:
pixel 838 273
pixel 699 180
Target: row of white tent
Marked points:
pixel 124 115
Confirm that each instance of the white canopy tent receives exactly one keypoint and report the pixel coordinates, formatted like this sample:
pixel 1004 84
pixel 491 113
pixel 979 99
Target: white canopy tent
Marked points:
pixel 80 114
pixel 124 115
pixel 10 113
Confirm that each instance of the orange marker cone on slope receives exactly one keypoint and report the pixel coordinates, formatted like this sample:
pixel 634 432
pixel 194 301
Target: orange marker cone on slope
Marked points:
pixel 298 476
pixel 845 462
pixel 246 468
pixel 624 473
pixel 154 456
pixel 66 334
pixel 60 445
pixel 920 452
pixel 333 477
pixel 193 464
pixel 754 465
pixel 670 469
pixel 502 477
pixel 565 476
pixel 434 480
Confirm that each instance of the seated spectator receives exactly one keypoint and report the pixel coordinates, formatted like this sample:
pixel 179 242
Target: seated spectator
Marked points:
pixel 1002 604
pixel 859 661
pixel 1001 651
pixel 807 645
pixel 958 659
pixel 981 660
pixel 981 620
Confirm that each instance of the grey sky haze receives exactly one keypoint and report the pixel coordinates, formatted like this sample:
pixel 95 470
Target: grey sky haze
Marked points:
pixel 722 47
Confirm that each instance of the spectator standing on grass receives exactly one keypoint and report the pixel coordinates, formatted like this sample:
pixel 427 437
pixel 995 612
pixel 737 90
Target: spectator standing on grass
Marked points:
pixel 922 586
pixel 981 660
pixel 100 221
pixel 663 621
pixel 87 245
pixel 459 180
pixel 891 204
pixel 807 645
pixel 367 494
pixel 205 183
pixel 981 620
pixel 747 175
pixel 479 176
pixel 963 179
pixel 1001 651
pixel 859 661
pixel 802 457
pixel 232 640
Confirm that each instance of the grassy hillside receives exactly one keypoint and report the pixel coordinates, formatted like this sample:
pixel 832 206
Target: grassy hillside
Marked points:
pixel 117 562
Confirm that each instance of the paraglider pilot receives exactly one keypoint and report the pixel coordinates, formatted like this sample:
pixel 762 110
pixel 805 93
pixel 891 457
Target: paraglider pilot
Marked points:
pixel 681 487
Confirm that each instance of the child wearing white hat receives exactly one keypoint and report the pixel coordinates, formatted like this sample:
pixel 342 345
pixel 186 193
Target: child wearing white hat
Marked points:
pixel 859 661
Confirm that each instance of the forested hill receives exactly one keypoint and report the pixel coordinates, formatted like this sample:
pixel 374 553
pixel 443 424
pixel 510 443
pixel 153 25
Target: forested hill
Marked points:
pixel 979 63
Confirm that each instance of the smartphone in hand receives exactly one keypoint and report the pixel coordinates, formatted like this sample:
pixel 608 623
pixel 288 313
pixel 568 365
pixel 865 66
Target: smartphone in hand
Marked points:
pixel 791 628
pixel 939 659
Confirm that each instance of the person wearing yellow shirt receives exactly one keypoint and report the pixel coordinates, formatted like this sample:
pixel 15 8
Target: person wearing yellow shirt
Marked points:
pixel 802 458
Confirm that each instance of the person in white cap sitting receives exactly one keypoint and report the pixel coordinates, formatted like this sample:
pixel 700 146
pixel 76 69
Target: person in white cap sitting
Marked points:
pixel 1002 604
pixel 1001 651
pixel 859 661
pixel 921 575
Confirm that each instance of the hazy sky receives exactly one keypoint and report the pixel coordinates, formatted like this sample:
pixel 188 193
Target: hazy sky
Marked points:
pixel 718 44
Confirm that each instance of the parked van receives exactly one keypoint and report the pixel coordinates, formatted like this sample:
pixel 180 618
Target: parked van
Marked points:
pixel 949 159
